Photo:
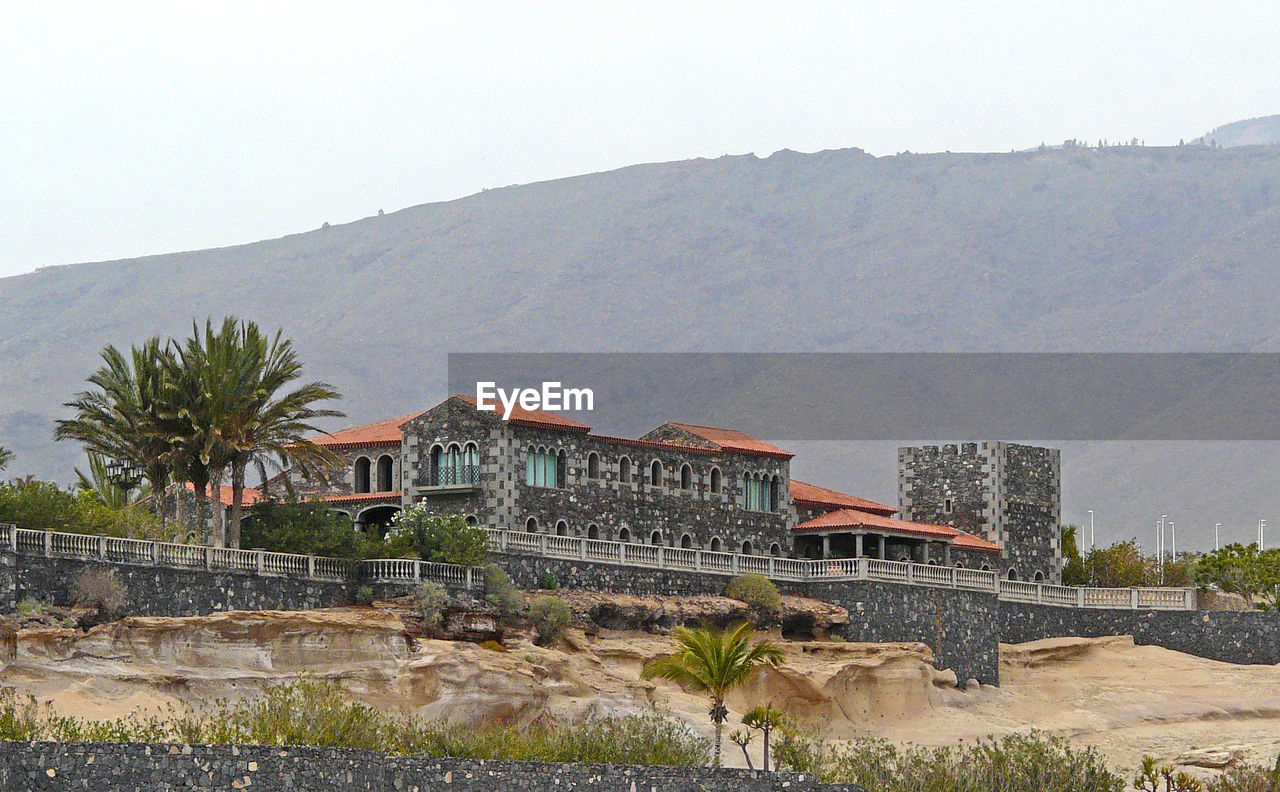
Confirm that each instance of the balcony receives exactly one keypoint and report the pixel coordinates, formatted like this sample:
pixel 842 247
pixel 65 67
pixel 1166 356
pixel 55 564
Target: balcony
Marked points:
pixel 461 478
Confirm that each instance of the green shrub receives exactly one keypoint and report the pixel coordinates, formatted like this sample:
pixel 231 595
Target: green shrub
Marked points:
pixel 551 617
pixel 44 506
pixel 99 589
pixel 548 581
pixel 304 528
pixel 364 595
pixel 500 592
pixel 757 591
pixel 1248 778
pixel 430 600
pixel 443 539
pixel 30 607
pixel 1017 763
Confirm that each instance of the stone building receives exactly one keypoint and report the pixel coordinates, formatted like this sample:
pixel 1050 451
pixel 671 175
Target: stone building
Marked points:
pixel 679 485
pixel 1006 493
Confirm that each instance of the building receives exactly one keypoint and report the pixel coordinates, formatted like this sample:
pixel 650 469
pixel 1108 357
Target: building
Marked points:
pixel 689 486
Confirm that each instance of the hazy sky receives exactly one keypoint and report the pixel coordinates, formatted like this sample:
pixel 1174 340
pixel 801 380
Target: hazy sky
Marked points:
pixel 128 129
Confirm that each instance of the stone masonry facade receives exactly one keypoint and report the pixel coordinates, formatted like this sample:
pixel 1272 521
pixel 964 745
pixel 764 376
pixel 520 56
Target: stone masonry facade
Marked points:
pixel 1007 493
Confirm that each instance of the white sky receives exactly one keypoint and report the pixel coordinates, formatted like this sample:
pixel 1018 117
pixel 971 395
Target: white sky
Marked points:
pixel 129 128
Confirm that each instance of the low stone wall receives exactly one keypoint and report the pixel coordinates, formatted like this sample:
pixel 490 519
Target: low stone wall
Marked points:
pixel 163 591
pixel 959 626
pixel 1243 637
pixel 126 767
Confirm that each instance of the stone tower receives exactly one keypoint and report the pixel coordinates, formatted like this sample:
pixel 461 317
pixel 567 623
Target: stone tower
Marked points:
pixel 1006 493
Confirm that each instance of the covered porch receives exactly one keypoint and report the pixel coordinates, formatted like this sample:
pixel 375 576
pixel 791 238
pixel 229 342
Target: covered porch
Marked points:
pixel 851 533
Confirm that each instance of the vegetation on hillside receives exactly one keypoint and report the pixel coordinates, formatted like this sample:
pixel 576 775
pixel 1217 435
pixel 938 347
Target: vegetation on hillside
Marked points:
pixel 203 410
pixel 44 506
pixel 319 713
pixel 1242 569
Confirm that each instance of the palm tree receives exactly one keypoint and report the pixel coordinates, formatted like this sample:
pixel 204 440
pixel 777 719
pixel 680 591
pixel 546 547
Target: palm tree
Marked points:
pixel 127 414
pixel 227 384
pixel 766 719
pixel 714 662
pixel 6 456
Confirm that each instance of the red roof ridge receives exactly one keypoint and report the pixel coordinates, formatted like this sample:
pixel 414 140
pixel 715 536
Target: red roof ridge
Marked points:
pixel 388 430
pixel 805 492
pixel 850 518
pixel 535 417
pixel 733 440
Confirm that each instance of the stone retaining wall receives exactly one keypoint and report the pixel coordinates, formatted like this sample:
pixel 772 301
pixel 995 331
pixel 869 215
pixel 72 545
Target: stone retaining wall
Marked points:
pixel 127 767
pixel 1243 637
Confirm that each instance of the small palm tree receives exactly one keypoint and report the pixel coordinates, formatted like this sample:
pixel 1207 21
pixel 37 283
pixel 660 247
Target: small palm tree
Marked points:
pixel 6 456
pixel 714 662
pixel 766 719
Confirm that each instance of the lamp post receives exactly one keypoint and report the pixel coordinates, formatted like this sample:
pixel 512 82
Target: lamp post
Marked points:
pixel 1173 542
pixel 124 474
pixel 1091 529
pixel 1262 527
pixel 1163 517
pixel 1216 528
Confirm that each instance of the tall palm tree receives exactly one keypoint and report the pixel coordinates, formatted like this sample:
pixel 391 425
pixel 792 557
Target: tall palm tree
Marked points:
pixel 6 456
pixel 127 413
pixel 714 662
pixel 272 429
pixel 228 382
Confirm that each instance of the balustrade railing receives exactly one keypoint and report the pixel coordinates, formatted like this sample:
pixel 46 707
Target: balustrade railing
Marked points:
pixel 136 551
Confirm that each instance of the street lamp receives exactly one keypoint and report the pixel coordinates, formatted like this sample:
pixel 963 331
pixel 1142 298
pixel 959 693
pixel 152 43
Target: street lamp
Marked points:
pixel 1091 529
pixel 1262 527
pixel 124 474
pixel 1173 540
pixel 1216 527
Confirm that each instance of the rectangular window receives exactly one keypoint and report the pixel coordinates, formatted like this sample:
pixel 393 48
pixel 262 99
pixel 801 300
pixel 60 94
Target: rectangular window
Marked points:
pixel 540 469
pixel 755 495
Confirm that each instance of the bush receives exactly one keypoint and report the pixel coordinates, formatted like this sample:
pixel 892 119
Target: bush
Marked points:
pixel 500 592
pixel 303 528
pixel 44 506
pixel 430 600
pixel 99 589
pixel 443 539
pixel 364 595
pixel 551 617
pixel 1248 778
pixel 548 581
pixel 757 591
pixel 1017 763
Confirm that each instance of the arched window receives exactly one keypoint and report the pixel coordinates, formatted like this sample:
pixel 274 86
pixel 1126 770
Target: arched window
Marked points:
pixel 562 528
pixel 775 550
pixel 385 466
pixel 471 520
pixel 531 525
pixel 746 547
pixel 562 469
pixel 686 477
pixel 655 474
pixel 655 538
pixel 959 565
pixel 1039 577
pixel 593 531
pixel 686 541
pixel 715 479
pixel 624 535
pixel 543 468
pixel 362 475
pixel 470 464
pixel 756 493
pixel 775 493
pixel 986 567
pixel 437 462
pixel 716 544
pixel 593 465
pixel 1013 573
pixel 624 470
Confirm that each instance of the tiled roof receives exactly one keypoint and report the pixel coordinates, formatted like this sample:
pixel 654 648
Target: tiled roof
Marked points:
pixel 386 432
pixel 248 496
pixel 359 496
pixel 535 417
pixel 733 440
pixel 803 492
pixel 853 518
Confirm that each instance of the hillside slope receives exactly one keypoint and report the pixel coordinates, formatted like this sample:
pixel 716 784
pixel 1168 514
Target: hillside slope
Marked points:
pixel 1115 249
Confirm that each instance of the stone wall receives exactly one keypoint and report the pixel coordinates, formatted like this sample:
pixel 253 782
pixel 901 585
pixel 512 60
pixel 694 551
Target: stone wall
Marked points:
pixel 1243 637
pixel 162 591
pixel 958 626
pixel 126 767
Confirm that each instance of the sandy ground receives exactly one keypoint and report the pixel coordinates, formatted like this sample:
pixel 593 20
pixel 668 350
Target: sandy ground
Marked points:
pixel 1127 701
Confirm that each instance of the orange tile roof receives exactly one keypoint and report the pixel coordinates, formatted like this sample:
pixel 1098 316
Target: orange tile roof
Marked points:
pixel 359 496
pixel 386 432
pixel 853 518
pixel 248 496
pixel 733 440
pixel 535 417
pixel 803 492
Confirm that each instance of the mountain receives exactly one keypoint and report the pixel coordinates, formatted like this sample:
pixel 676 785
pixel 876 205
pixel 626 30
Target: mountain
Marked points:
pixel 1118 249
pixel 1264 131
